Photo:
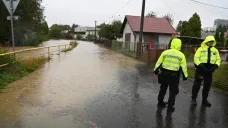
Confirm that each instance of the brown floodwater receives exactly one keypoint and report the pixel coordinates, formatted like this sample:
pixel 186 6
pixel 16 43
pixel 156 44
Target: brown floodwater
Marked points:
pixel 93 87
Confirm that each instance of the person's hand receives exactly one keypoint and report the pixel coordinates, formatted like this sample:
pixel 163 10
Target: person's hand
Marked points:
pixel 185 79
pixel 201 66
pixel 213 68
pixel 210 70
pixel 155 75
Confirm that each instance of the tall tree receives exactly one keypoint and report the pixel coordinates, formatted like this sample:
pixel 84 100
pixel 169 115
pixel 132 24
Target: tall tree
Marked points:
pixel 222 38
pixel 169 17
pixel 184 29
pixel 31 18
pixel 43 29
pixel 73 28
pixel 217 36
pixel 60 32
pixel 179 26
pixel 116 26
pixel 102 30
pixel 152 14
pixel 4 24
pixel 55 31
pixel 110 31
pixel 194 25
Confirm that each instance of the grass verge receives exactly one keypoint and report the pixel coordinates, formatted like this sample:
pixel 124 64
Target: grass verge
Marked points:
pixel 220 77
pixel 73 45
pixel 128 53
pixel 16 71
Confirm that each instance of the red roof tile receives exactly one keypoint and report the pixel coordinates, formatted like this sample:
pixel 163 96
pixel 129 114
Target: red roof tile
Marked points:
pixel 151 25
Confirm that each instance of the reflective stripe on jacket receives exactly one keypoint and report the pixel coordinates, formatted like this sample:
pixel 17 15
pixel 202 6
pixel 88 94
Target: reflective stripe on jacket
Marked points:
pixel 173 59
pixel 202 54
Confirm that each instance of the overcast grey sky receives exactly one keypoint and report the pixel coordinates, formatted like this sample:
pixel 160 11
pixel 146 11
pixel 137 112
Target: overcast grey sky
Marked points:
pixel 85 12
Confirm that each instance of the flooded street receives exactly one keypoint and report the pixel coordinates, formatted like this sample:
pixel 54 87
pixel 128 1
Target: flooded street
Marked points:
pixel 40 52
pixel 93 87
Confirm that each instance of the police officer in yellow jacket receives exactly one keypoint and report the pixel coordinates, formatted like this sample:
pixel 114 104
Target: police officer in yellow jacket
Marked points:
pixel 168 68
pixel 206 60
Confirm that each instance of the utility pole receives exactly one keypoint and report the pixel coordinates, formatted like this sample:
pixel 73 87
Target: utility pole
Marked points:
pixel 95 30
pixel 11 6
pixel 142 21
pixel 139 46
pixel 12 28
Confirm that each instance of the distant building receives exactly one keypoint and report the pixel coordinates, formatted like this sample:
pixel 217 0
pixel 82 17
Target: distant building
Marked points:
pixel 204 34
pixel 157 31
pixel 208 29
pixel 225 34
pixel 219 22
pixel 65 31
pixel 84 31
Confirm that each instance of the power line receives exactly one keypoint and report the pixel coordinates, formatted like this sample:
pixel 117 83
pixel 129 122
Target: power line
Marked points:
pixel 216 10
pixel 124 5
pixel 171 10
pixel 121 8
pixel 208 4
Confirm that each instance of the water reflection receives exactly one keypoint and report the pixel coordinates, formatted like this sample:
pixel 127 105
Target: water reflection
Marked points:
pixel 160 120
pixel 192 119
pixel 202 117
pixel 192 116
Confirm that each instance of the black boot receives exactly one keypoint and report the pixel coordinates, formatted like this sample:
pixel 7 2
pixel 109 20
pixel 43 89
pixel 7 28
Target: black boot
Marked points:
pixel 194 102
pixel 170 109
pixel 162 104
pixel 206 103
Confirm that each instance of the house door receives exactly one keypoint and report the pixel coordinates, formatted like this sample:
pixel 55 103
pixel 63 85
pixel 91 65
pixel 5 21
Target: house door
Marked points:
pixel 154 39
pixel 128 37
pixel 127 40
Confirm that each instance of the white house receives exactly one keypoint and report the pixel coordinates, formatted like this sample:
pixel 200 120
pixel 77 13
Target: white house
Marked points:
pixel 157 31
pixel 84 31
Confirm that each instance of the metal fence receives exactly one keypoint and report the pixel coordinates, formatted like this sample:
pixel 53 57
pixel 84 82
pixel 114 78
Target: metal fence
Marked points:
pixel 126 48
pixel 131 49
pixel 28 54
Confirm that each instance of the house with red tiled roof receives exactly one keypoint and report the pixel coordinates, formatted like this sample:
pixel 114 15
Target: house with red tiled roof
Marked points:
pixel 156 30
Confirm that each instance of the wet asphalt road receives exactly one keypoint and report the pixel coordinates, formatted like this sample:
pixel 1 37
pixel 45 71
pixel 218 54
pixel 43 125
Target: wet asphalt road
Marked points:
pixel 92 87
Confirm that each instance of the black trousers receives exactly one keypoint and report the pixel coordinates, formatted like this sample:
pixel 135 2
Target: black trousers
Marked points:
pixel 171 81
pixel 199 77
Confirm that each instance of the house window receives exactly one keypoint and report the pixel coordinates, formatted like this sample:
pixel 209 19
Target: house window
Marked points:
pixel 155 38
pixel 128 37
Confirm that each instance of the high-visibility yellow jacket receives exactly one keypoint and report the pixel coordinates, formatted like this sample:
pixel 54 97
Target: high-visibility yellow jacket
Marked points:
pixel 173 59
pixel 202 56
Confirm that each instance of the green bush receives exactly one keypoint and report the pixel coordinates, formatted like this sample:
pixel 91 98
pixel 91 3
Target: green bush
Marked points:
pixel 90 37
pixel 7 58
pixel 35 41
pixel 79 37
